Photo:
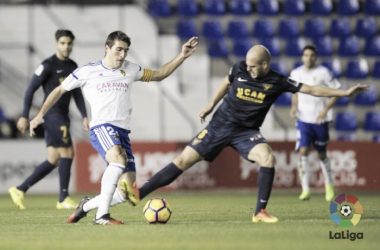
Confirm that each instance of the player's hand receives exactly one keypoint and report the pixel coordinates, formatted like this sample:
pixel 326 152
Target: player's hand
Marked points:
pixel 34 124
pixel 189 47
pixel 22 124
pixel 357 89
pixel 86 124
pixel 205 112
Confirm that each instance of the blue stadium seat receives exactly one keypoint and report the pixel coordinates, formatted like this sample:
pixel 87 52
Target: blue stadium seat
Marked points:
pixel 349 46
pixel 214 7
pixel 212 30
pixel 324 46
pixel 376 138
pixel 347 7
pixel 294 7
pixel 263 28
pixel 280 67
pixel 187 8
pixel 366 27
pixel 273 45
pixel 321 7
pixel 294 47
pixel 357 69
pixel 372 46
pixel 240 7
pixel 159 8
pixel 268 7
pixel 284 100
pixel 334 66
pixel 368 98
pixel 376 70
pixel 372 7
pixel 340 27
pixel 186 29
pixel 217 48
pixel 288 28
pixel 342 102
pixel 372 122
pixel 241 47
pixel 314 27
pixel 346 123
pixel 237 30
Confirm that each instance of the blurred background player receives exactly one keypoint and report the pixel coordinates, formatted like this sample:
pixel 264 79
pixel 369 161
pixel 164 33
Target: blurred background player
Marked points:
pixel 107 86
pixel 50 74
pixel 313 116
pixel 249 91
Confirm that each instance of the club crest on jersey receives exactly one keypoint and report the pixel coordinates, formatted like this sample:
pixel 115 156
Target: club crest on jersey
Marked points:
pixel 115 138
pixel 122 72
pixel 267 86
pixel 293 82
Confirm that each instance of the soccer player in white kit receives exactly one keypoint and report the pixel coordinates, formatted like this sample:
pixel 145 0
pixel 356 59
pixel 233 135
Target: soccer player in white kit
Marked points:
pixel 313 116
pixel 106 85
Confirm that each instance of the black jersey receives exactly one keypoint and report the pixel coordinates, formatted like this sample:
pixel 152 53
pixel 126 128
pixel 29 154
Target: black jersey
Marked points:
pixel 248 100
pixel 50 74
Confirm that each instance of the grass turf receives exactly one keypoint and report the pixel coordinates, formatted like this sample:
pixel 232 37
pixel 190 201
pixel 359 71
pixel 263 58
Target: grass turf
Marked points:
pixel 200 220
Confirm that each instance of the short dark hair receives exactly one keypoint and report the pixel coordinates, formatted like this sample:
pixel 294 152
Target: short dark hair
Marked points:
pixel 61 33
pixel 117 35
pixel 310 47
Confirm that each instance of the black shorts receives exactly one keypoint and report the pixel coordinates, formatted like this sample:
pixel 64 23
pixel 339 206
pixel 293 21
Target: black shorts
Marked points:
pixel 57 131
pixel 220 134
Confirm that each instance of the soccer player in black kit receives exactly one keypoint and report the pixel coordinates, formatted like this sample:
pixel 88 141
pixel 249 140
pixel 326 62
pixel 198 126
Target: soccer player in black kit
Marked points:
pixel 249 91
pixel 56 124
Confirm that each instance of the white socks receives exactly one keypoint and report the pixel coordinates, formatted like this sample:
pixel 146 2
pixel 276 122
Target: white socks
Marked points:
pixel 109 184
pixel 326 169
pixel 304 173
pixel 117 198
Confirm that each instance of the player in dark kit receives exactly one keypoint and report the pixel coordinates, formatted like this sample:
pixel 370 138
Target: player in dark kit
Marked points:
pixel 56 124
pixel 249 91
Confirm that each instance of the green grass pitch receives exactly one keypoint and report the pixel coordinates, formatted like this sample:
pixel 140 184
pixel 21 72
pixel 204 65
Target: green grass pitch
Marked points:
pixel 200 220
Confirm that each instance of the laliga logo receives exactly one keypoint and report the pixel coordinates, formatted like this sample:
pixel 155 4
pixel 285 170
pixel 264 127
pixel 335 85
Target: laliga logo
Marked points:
pixel 346 211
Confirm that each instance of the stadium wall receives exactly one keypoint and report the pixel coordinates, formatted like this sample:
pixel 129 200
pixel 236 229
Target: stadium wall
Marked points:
pixel 355 166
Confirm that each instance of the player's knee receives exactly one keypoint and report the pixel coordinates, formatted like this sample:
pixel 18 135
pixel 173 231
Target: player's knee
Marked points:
pixel 268 160
pixel 183 162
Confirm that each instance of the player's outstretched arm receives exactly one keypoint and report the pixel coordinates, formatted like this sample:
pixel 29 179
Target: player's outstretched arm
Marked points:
pixel 219 94
pixel 49 102
pixel 329 92
pixel 166 70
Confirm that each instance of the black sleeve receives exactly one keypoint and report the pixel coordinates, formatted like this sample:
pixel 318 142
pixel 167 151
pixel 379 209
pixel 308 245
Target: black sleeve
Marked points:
pixel 290 85
pixel 79 101
pixel 37 80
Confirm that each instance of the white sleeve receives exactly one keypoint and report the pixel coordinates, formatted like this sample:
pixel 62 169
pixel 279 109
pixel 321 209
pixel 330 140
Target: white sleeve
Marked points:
pixel 139 72
pixel 71 82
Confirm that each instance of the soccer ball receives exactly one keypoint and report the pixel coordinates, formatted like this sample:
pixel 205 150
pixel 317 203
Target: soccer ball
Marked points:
pixel 345 210
pixel 157 210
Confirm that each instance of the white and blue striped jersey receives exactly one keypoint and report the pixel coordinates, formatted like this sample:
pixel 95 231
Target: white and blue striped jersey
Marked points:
pixel 107 90
pixel 309 107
